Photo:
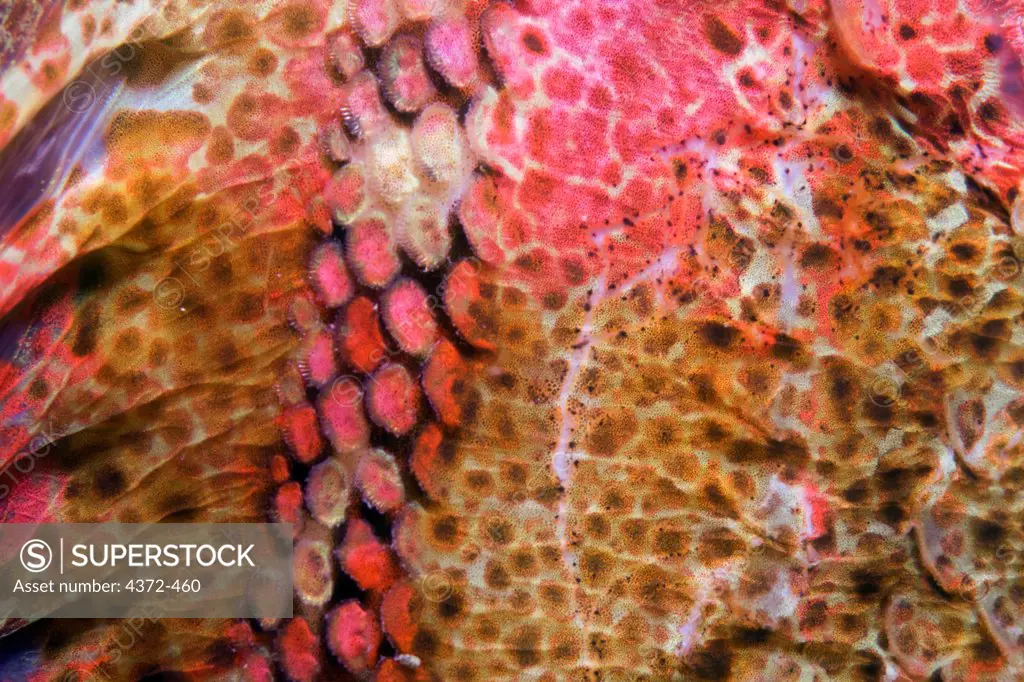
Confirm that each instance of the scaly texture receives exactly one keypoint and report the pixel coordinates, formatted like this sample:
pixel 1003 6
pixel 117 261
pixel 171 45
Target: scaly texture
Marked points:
pixel 578 340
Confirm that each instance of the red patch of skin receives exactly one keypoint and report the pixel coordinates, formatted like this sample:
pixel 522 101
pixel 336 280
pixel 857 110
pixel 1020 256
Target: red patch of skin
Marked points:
pixel 279 470
pixel 378 477
pixel 288 506
pixel 343 422
pixel 353 636
pixel 363 111
pixel 371 252
pixel 451 51
pixel 360 341
pixel 408 316
pixel 315 94
pixel 300 651
pixel 346 192
pixel 319 365
pixel 921 63
pixel 255 116
pixel 366 559
pixel 393 399
pixel 405 76
pixel 329 277
pixel 31 496
pixel 300 431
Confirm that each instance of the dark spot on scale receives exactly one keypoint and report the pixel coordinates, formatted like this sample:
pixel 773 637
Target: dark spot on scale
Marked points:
pixel 713 663
pixel 108 481
pixel 857 492
pixel 88 329
pixel 866 584
pixel 892 513
pixel 424 643
pixel 964 252
pixel 92 273
pixel 993 42
pixel 721 37
pixel 445 529
pixel 815 255
pixel 533 42
pixel 988 534
pixel 38 389
pixel 907 32
pixel 220 653
pixel 451 608
pixel 989 111
pixel 718 334
pixel 786 347
pixel 984 346
pixel 176 502
pixel 753 636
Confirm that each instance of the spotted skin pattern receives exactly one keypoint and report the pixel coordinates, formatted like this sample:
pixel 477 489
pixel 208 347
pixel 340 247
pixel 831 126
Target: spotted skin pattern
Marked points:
pixel 577 340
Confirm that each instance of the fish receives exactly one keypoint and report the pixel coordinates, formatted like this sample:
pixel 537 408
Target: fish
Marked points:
pixel 607 340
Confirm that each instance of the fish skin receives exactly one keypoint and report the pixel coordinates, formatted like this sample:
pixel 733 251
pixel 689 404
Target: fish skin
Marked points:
pixel 727 298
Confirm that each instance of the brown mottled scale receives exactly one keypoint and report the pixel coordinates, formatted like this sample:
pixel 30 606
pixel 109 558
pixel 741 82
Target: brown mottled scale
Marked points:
pixel 722 376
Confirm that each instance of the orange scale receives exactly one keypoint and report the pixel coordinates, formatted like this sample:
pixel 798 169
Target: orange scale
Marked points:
pixel 400 613
pixel 288 506
pixel 360 341
pixel 426 459
pixel 300 431
pixel 391 670
pixel 279 469
pixel 312 570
